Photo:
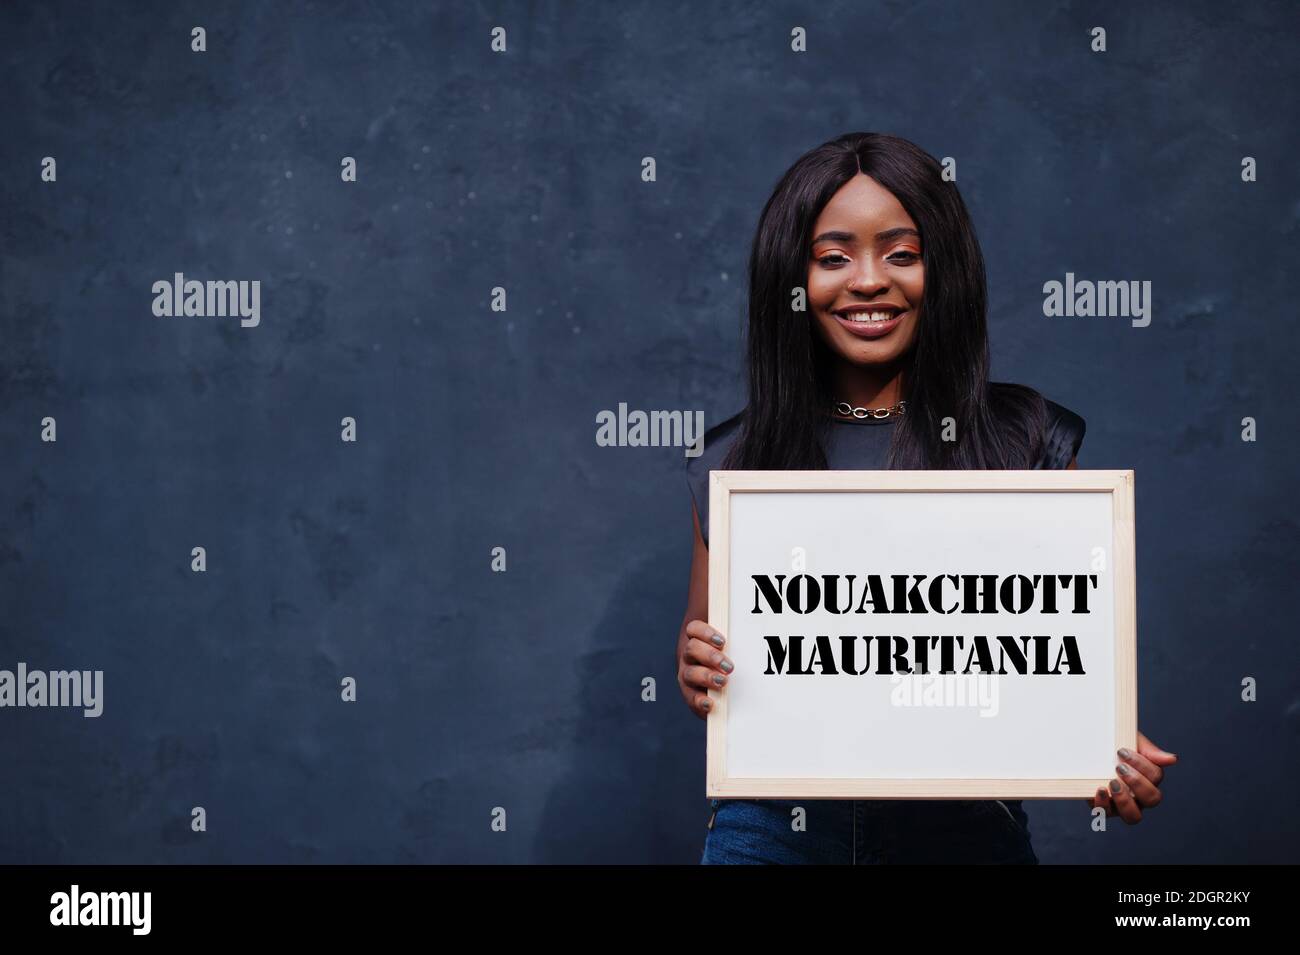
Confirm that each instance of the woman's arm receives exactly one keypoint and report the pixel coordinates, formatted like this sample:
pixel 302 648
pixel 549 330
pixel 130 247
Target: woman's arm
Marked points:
pixel 701 664
pixel 1141 772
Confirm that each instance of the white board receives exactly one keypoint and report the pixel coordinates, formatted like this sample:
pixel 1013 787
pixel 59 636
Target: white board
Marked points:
pixel 800 729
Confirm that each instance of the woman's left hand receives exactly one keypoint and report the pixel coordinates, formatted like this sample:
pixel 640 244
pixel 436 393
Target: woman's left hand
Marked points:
pixel 1137 785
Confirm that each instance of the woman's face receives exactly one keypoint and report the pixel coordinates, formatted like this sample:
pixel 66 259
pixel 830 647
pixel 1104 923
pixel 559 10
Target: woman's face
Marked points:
pixel 866 264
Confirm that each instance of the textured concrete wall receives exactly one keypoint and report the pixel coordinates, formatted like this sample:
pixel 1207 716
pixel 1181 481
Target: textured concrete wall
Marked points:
pixel 476 428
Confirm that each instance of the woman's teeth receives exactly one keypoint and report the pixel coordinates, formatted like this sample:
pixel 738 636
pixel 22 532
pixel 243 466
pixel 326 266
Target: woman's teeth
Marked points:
pixel 870 316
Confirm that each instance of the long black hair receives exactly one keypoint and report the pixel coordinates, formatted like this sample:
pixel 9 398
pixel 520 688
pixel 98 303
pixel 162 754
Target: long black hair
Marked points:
pixel 998 425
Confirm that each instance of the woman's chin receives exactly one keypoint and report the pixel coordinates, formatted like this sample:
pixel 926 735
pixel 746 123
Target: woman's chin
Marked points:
pixel 871 353
pixel 867 352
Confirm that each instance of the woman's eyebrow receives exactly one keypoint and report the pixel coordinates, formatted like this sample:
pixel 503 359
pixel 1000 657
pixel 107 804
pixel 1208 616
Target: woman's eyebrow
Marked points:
pixel 887 236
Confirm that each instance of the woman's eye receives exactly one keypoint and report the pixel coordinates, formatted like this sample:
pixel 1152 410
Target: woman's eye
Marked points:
pixel 898 258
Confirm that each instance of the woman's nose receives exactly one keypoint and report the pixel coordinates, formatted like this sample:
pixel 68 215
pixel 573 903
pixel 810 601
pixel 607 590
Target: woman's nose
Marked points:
pixel 867 280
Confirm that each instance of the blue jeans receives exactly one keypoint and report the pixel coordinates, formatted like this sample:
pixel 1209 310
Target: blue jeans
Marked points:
pixel 868 832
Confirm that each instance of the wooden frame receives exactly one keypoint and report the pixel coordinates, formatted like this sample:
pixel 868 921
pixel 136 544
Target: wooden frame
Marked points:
pixel 1118 483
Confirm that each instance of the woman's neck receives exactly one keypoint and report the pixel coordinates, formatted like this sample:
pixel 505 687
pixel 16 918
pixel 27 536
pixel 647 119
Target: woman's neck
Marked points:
pixel 869 386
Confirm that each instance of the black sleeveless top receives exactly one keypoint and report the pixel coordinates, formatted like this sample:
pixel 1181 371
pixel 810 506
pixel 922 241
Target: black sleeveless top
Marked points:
pixel 855 445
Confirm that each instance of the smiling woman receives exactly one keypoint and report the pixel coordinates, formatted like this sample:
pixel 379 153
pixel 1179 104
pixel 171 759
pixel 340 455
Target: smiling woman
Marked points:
pixel 882 293
pixel 868 349
pixel 896 304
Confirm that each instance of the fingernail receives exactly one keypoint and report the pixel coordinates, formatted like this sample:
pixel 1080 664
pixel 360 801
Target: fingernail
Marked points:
pixel 719 679
pixel 727 666
pixel 1124 753
pixel 1124 770
pixel 706 704
pixel 1114 786
pixel 716 638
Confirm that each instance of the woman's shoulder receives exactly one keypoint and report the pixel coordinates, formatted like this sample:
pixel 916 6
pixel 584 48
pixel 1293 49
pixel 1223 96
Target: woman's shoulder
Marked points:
pixel 1062 436
pixel 1062 428
pixel 1062 420
pixel 717 441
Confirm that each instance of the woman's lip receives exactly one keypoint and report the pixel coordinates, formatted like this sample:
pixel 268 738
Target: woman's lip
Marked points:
pixel 870 329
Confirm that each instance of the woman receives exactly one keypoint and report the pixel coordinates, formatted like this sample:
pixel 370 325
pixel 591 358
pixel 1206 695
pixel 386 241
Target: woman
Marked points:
pixel 868 349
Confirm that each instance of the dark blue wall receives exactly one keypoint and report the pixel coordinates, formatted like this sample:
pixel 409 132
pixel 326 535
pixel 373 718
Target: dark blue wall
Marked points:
pixel 477 428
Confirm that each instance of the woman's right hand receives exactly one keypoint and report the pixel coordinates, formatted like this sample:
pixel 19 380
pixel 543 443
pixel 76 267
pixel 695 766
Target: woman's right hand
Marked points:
pixel 702 666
